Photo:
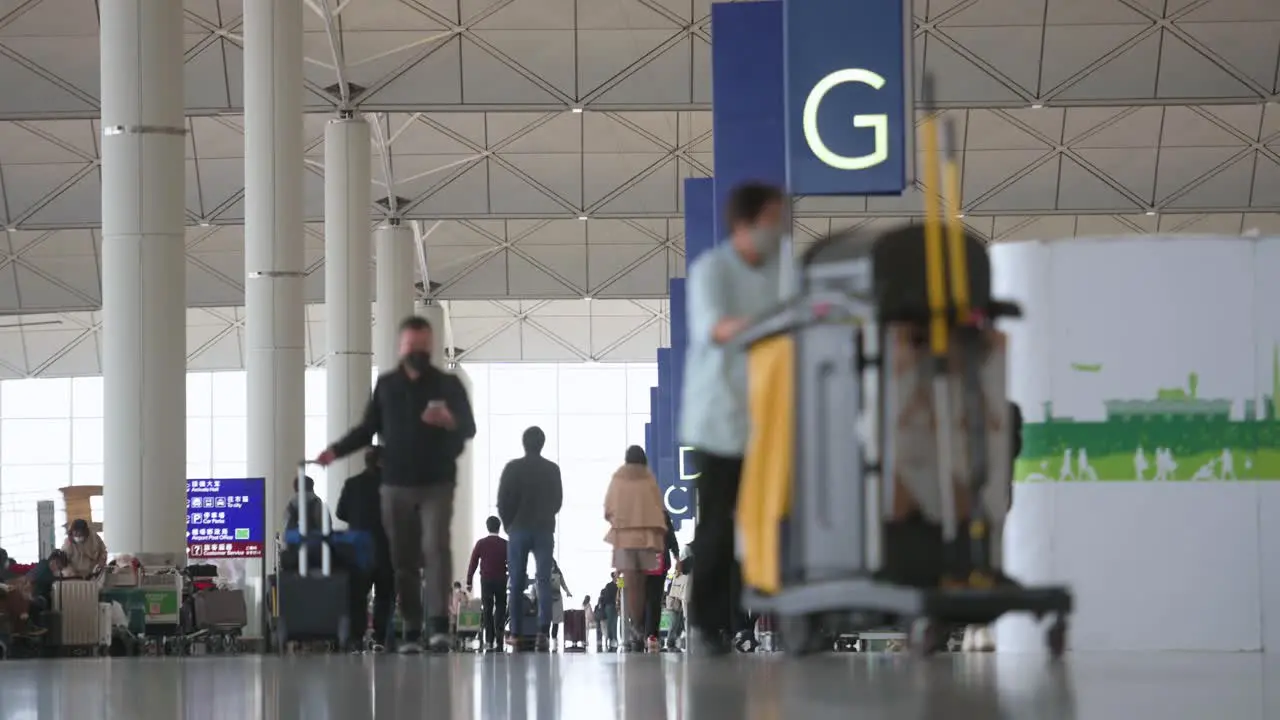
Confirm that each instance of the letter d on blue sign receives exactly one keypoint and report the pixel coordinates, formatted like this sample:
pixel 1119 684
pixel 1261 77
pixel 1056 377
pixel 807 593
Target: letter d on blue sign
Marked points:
pixel 849 106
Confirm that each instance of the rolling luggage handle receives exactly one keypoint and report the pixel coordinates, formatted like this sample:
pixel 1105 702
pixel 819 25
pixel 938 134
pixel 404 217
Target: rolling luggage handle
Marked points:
pixel 326 552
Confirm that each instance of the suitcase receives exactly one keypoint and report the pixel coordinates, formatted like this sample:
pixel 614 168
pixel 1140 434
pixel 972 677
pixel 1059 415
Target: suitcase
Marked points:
pixel 223 610
pixel 76 602
pixel 106 624
pixel 575 631
pixel 313 606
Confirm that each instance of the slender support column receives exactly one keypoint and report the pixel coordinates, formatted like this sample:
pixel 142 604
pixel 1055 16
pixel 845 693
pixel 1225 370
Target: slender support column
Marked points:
pixel 395 263
pixel 346 284
pixel 434 314
pixel 143 276
pixel 274 357
pixel 462 534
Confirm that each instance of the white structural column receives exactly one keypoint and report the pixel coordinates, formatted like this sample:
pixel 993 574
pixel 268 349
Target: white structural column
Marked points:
pixel 143 275
pixel 462 533
pixel 434 314
pixel 346 283
pixel 273 239
pixel 395 262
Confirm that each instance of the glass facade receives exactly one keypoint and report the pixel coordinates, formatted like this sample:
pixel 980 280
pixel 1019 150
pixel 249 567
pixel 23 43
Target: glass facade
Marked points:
pixel 51 437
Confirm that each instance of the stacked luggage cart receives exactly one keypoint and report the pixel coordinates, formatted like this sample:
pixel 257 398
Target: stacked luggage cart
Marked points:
pixel 469 625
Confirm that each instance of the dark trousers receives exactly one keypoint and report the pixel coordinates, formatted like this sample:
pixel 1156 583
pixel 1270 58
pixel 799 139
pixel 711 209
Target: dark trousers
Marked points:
pixel 493 602
pixel 653 586
pixel 382 580
pixel 417 520
pixel 717 579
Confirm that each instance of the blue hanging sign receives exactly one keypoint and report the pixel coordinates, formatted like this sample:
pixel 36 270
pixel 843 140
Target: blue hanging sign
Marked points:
pixel 226 518
pixel 849 109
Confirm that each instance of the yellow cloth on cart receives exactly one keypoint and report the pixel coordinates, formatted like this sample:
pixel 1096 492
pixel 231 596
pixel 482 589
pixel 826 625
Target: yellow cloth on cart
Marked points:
pixel 764 499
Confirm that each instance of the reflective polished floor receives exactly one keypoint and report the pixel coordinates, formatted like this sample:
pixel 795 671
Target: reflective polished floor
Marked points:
pixel 596 687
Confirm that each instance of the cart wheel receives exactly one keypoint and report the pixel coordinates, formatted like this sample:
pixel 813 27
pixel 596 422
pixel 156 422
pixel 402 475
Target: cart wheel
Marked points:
pixel 344 633
pixel 799 635
pixel 927 637
pixel 1056 638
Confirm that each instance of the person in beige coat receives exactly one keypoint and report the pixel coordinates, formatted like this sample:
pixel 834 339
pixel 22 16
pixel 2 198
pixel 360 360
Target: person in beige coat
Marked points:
pixel 638 527
pixel 86 553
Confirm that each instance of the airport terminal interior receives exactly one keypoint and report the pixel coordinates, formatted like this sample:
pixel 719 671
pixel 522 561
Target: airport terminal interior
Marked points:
pixel 282 182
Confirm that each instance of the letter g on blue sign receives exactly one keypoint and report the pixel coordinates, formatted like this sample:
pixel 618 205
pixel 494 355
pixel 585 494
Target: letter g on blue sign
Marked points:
pixel 848 112
pixel 878 123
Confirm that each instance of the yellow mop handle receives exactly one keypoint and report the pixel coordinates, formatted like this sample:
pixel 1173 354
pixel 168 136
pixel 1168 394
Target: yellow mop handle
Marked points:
pixel 957 251
pixel 933 258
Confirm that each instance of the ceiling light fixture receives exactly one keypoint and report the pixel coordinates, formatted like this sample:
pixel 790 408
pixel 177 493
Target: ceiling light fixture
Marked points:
pixel 1037 106
pixel 576 110
pixel 1151 213
pixel 582 217
pixel 205 223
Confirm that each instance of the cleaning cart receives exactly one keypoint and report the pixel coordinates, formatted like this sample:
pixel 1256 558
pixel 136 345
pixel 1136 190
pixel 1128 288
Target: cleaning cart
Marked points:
pixel 877 478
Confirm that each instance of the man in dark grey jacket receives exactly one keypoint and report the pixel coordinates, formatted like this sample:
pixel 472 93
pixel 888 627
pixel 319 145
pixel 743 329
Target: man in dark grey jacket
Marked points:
pixel 422 416
pixel 530 494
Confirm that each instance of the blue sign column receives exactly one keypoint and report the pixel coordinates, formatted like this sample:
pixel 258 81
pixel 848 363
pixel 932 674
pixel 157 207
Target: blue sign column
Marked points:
pixel 748 115
pixel 666 434
pixel 699 236
pixel 849 116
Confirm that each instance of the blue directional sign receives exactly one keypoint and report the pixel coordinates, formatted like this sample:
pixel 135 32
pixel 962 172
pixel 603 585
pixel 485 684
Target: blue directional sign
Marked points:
pixel 848 106
pixel 226 518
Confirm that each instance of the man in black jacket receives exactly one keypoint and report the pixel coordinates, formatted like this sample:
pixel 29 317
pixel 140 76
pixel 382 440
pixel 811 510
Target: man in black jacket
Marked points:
pixel 360 507
pixel 529 497
pixel 423 419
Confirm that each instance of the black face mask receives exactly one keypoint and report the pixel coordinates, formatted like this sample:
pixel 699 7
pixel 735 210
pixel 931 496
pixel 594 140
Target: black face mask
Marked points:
pixel 419 360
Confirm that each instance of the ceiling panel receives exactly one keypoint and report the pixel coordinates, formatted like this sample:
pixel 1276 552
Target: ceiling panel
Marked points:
pixel 541 146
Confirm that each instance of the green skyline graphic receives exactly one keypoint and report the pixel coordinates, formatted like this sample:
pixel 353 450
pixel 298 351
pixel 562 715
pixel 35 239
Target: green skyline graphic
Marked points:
pixel 1174 436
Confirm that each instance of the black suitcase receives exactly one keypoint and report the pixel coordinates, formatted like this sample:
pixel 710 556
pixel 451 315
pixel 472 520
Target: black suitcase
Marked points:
pixel 313 606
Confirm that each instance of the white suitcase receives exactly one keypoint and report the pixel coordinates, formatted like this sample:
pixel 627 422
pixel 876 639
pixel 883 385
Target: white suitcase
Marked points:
pixel 106 624
pixel 77 603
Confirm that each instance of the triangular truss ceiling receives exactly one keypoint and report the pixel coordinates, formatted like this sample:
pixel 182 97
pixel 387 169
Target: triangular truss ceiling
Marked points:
pixel 1076 117
pixel 432 55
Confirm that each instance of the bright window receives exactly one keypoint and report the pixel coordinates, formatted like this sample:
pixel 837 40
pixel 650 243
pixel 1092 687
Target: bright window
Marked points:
pixel 31 442
pixel 36 399
pixel 230 399
pixel 51 435
pixel 86 397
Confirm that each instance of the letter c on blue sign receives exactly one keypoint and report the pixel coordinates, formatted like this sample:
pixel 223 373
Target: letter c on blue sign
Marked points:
pixel 878 123
pixel 666 500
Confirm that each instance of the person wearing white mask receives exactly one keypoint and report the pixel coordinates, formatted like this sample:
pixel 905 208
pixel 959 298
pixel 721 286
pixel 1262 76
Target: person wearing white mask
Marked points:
pixel 728 287
pixel 86 553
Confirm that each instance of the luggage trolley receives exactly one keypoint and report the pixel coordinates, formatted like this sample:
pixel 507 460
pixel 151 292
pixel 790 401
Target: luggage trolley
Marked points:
pixel 845 520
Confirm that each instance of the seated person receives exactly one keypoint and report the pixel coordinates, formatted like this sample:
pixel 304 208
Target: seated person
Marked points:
pixel 316 510
pixel 30 596
pixel 84 550
pixel 7 573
